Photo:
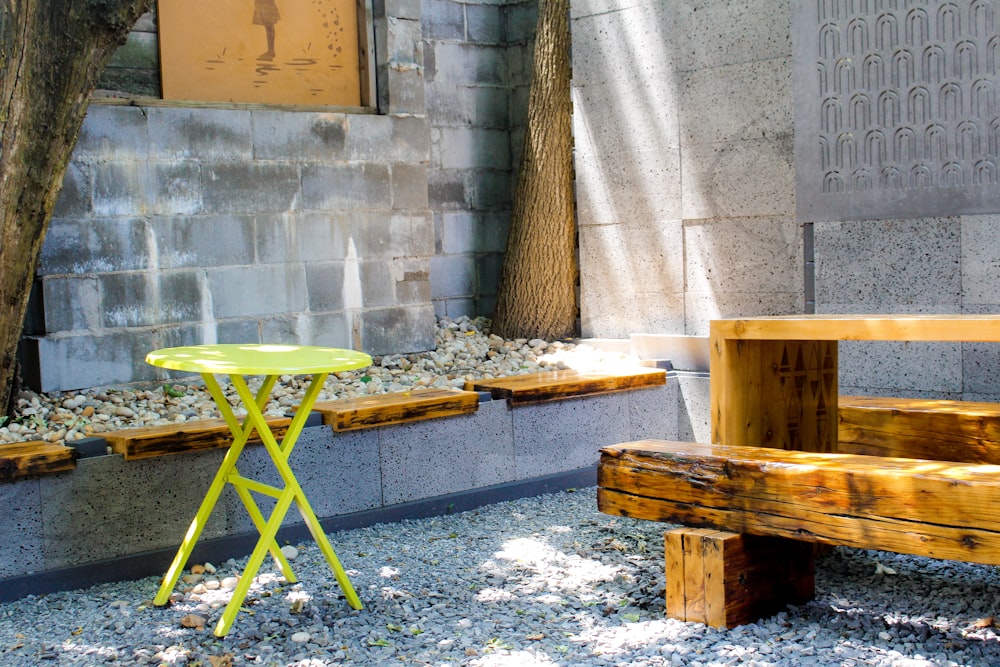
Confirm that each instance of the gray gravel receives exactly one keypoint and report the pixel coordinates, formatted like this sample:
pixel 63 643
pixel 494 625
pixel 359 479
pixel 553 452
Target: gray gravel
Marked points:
pixel 540 581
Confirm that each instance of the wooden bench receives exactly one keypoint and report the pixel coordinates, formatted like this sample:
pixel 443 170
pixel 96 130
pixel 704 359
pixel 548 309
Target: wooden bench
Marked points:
pixel 35 457
pixel 920 428
pixel 350 414
pixel 555 385
pixel 752 515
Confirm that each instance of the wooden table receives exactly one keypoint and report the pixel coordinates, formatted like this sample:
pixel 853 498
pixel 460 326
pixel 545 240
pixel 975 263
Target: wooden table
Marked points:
pixel 774 380
pixel 269 361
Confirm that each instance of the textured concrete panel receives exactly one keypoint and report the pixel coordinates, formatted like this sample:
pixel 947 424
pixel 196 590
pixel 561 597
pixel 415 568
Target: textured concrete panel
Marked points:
pixel 619 314
pixel 747 100
pixel 980 259
pixel 620 187
pixel 628 45
pixel 895 110
pixel 440 456
pixel 743 255
pixel 888 264
pixel 339 473
pixel 888 366
pixel 108 507
pixel 694 416
pixel 646 113
pixel 559 436
pixel 21 550
pixel 702 307
pixel 739 178
pixel 641 255
pixel 653 412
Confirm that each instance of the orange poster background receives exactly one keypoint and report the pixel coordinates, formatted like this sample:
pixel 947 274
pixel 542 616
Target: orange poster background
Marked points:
pixel 215 52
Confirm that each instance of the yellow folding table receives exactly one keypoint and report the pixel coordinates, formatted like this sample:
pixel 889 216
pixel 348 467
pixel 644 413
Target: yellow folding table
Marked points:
pixel 270 361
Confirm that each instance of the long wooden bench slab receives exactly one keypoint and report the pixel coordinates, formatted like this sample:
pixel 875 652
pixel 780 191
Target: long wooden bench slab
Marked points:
pixel 149 441
pixel 927 508
pixel 552 385
pixel 395 408
pixel 22 459
pixel 941 430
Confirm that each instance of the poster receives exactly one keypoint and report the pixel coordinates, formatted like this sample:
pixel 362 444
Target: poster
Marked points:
pixel 260 51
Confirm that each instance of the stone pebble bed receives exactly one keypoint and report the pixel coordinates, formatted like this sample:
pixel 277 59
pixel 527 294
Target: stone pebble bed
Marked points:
pixel 541 581
pixel 464 350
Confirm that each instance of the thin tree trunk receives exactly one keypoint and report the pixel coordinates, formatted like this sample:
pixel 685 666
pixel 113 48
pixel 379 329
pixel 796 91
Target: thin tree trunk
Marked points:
pixel 51 55
pixel 537 294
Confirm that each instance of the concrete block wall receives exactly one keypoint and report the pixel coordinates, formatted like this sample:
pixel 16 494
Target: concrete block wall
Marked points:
pixel 477 58
pixel 109 508
pixel 684 160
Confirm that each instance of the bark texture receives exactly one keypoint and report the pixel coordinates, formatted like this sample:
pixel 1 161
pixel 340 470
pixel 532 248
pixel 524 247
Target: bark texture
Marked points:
pixel 51 55
pixel 537 294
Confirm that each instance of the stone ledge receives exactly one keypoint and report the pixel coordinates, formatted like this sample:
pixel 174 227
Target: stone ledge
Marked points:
pixel 556 385
pixel 23 459
pixel 350 414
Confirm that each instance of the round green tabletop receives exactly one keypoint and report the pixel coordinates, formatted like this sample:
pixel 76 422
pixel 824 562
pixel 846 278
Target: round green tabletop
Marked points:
pixel 258 359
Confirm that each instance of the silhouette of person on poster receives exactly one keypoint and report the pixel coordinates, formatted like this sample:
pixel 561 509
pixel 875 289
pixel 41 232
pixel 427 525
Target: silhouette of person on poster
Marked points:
pixel 265 13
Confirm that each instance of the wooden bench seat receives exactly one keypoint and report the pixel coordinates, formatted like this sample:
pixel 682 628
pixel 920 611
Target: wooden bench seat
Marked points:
pixel 920 428
pixel 148 441
pixel 553 385
pixel 928 508
pixel 36 457
pixel 395 408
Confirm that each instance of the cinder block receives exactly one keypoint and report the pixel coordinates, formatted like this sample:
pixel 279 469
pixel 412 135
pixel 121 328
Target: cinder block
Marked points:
pixel 460 307
pixel 875 265
pixel 250 187
pixel 470 148
pixel 448 455
pixel 739 178
pixel 407 93
pixel 457 232
pixel 325 282
pixel 113 132
pixel 486 23
pixel 409 186
pixel 404 9
pixel 261 290
pixel 620 187
pixel 94 245
pixel 74 197
pixel 443 20
pixel 452 275
pixel 468 64
pixel 194 242
pixel 490 231
pixel 748 100
pixel 743 255
pixel 491 189
pixel 404 43
pixel 410 140
pixel 477 106
pixel 447 189
pixel 339 474
pixel 301 137
pixel 71 303
pixel 108 507
pixel 345 186
pixel 560 436
pixel 139 188
pixel 521 21
pixel 73 362
pixel 213 135
pixel 21 550
pixel 151 298
pixel 398 330
pixel 488 269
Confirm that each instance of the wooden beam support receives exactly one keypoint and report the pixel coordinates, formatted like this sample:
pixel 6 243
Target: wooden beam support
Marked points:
pixel 916 428
pixel 925 508
pixel 396 408
pixel 724 579
pixel 22 459
pixel 553 385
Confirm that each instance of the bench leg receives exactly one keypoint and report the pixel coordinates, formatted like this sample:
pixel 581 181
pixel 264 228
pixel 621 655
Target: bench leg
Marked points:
pixel 726 579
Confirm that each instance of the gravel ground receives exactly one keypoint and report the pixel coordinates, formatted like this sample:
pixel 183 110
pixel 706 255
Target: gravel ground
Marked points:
pixel 540 581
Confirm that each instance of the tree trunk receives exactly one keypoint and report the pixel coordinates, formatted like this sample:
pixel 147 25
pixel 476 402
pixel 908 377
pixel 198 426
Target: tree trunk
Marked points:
pixel 537 294
pixel 51 55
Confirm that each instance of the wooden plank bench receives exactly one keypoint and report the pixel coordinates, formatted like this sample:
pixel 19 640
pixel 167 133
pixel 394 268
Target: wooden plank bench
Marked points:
pixel 149 441
pixel 35 457
pixel 920 428
pixel 350 414
pixel 765 506
pixel 554 385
